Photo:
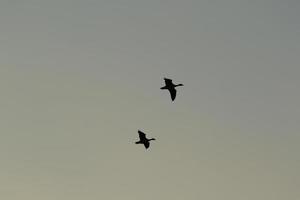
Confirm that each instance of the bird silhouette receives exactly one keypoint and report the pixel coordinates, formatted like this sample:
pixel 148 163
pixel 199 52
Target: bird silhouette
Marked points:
pixel 171 87
pixel 144 140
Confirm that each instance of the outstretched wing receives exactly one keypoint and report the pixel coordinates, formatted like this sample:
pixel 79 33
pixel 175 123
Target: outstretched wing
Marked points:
pixel 147 144
pixel 142 135
pixel 173 93
pixel 168 81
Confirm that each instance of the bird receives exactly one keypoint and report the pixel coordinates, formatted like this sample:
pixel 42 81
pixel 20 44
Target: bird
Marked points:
pixel 144 140
pixel 171 87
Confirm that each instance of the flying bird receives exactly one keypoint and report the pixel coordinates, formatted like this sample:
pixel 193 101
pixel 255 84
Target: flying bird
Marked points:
pixel 144 140
pixel 171 87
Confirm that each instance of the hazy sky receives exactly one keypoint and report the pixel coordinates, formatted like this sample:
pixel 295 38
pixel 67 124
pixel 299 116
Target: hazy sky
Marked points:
pixel 79 78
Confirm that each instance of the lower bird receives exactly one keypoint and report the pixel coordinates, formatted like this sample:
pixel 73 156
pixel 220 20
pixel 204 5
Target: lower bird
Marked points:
pixel 171 87
pixel 144 140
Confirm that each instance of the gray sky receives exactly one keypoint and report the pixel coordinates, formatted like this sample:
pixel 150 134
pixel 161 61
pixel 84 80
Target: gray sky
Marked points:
pixel 79 78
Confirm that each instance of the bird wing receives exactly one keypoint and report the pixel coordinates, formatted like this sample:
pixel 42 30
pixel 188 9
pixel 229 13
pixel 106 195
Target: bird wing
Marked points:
pixel 147 144
pixel 173 93
pixel 168 81
pixel 142 135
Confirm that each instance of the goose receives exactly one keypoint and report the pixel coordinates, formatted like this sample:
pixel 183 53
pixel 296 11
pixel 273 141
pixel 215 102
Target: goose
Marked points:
pixel 171 87
pixel 144 140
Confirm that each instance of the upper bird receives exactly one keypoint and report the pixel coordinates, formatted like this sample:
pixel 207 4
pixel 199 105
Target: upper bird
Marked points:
pixel 144 140
pixel 171 87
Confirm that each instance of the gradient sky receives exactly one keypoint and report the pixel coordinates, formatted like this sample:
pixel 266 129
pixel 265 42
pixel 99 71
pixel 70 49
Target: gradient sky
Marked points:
pixel 79 78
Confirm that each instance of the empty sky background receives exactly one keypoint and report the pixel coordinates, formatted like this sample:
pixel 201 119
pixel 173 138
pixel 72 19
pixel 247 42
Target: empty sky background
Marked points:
pixel 79 78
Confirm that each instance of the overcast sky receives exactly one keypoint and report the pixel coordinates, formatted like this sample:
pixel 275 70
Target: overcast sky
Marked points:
pixel 79 78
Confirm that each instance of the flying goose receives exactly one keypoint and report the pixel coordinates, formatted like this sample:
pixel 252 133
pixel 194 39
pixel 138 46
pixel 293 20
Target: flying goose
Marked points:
pixel 171 87
pixel 144 140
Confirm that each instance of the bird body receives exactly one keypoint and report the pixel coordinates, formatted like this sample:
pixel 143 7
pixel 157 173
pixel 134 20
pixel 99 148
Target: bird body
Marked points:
pixel 143 140
pixel 171 87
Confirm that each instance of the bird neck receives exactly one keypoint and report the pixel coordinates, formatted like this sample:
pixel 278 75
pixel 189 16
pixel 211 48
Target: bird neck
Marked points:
pixel 151 139
pixel 178 85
